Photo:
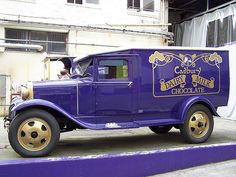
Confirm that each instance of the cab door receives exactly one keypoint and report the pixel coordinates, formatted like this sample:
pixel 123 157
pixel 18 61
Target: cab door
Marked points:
pixel 115 86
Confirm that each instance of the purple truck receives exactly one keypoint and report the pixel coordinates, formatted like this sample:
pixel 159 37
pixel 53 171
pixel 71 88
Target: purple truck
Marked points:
pixel 158 87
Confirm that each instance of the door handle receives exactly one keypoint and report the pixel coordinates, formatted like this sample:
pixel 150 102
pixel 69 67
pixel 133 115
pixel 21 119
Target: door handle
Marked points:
pixel 130 84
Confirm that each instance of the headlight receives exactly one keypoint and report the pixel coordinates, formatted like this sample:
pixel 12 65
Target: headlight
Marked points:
pixel 27 91
pixel 24 93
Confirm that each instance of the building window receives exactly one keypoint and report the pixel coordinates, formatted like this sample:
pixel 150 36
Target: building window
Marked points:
pixel 221 32
pixel 133 4
pixel 113 69
pixel 74 1
pixel 16 36
pixel 83 1
pixel 148 5
pixel 52 42
pixel 141 5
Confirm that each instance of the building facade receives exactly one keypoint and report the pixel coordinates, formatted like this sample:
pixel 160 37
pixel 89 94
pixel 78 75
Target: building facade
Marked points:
pixel 73 28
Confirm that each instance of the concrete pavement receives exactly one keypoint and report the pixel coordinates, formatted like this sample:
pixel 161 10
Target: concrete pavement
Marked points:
pixel 89 142
pixel 221 169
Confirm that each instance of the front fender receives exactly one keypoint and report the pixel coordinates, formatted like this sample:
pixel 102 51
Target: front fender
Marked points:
pixel 39 102
pixel 186 105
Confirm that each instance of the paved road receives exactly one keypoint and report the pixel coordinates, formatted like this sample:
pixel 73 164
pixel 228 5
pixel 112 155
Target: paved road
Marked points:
pixel 89 142
pixel 222 169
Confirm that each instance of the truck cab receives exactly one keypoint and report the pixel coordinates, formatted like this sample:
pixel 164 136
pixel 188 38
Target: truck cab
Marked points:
pixel 110 84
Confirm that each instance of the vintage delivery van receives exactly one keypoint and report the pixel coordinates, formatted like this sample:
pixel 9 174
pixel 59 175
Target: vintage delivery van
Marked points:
pixel 160 88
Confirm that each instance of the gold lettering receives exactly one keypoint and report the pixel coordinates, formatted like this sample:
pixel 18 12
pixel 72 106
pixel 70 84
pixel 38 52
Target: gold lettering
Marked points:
pixel 179 80
pixel 186 70
pixel 176 70
pixel 196 79
pixel 185 91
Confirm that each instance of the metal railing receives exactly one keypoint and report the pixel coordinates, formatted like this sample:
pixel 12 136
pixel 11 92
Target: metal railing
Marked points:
pixel 58 42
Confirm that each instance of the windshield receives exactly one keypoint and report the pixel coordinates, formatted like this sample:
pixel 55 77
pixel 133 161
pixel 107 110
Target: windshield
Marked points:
pixel 82 66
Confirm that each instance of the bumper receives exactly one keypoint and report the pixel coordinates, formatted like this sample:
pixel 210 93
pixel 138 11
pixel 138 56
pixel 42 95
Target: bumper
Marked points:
pixel 7 122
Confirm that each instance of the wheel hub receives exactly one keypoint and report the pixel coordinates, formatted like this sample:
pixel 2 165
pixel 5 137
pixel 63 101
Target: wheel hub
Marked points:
pixel 199 124
pixel 34 134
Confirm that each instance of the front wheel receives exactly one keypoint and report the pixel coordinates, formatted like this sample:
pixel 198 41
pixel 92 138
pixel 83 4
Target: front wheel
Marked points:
pixel 198 124
pixel 34 133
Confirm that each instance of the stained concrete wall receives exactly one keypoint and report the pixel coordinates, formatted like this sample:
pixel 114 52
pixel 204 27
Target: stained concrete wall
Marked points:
pixel 20 67
pixel 61 12
pixel 58 16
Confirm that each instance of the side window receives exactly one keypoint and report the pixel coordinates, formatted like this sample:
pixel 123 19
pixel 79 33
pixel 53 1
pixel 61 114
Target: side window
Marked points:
pixel 113 69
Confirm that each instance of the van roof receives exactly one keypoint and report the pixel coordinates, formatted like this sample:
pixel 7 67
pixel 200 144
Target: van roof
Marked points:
pixel 120 49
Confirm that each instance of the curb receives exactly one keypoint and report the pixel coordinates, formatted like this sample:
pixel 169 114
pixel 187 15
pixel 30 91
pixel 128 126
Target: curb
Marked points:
pixel 144 163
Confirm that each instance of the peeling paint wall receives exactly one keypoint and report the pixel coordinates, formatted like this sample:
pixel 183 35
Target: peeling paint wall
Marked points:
pixel 5 82
pixel 59 16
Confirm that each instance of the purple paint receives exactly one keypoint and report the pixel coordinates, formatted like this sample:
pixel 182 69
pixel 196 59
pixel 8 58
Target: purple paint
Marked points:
pixel 128 89
pixel 120 165
pixel 151 95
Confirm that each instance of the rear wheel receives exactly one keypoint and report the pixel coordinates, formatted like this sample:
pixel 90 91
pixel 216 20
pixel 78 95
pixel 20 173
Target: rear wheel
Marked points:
pixel 198 124
pixel 161 129
pixel 34 133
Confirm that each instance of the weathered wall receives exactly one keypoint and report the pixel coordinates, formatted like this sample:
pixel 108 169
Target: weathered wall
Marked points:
pixel 59 16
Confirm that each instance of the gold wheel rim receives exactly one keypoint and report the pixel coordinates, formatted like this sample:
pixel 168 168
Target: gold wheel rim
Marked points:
pixel 34 134
pixel 199 124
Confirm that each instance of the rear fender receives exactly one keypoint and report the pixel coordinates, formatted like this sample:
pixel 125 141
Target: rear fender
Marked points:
pixel 185 106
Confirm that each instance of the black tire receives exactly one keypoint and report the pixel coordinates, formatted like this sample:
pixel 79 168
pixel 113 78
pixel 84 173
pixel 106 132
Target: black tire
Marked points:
pixel 41 137
pixel 161 129
pixel 198 124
